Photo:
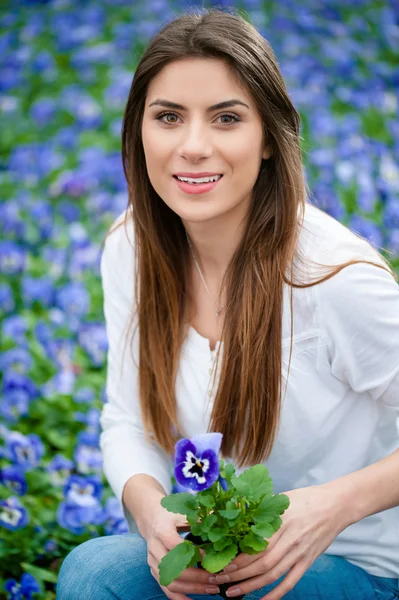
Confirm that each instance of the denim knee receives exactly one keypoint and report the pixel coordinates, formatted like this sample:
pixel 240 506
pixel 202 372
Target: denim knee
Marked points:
pixel 72 577
pixel 104 568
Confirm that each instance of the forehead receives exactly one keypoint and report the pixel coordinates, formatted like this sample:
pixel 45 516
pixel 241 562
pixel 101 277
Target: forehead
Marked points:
pixel 197 81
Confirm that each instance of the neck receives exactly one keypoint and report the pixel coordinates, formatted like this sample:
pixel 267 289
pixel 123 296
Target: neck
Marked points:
pixel 214 246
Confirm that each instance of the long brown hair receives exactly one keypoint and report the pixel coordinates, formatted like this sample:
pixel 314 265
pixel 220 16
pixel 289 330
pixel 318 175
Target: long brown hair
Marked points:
pixel 248 400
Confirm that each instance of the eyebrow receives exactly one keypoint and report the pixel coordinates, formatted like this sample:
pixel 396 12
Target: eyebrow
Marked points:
pixel 225 104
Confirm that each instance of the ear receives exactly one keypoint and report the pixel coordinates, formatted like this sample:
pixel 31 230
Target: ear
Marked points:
pixel 267 153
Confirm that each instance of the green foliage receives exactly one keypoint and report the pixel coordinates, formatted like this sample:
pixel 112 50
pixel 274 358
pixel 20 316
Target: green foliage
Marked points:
pixel 183 504
pixel 216 561
pixel 176 560
pixel 240 517
pixel 253 483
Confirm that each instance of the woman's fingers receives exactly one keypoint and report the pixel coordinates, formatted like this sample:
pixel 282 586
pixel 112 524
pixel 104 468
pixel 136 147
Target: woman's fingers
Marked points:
pixel 244 560
pixel 190 574
pixel 179 586
pixel 169 594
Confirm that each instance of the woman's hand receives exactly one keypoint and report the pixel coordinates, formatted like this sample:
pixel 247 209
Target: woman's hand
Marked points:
pixel 161 536
pixel 310 524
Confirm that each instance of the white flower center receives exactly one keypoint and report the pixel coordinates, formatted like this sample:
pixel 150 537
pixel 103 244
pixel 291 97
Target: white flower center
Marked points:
pixel 193 467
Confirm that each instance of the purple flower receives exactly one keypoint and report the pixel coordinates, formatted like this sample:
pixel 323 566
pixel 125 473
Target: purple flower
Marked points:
pixel 93 339
pixel 14 405
pixel 75 517
pixel 59 469
pixel 40 289
pixel 84 395
pixel 13 515
pixel 12 257
pixel 73 298
pixel 13 478
pixel 197 462
pixel 70 211
pixel 87 455
pixel 50 546
pixel 18 390
pixel 367 229
pixel 61 351
pixel 7 302
pixel 114 519
pixel 62 383
pixel 223 483
pixel 24 450
pixel 83 491
pixel 15 327
pixel 16 359
pixel 16 382
pixel 43 110
pixel 23 590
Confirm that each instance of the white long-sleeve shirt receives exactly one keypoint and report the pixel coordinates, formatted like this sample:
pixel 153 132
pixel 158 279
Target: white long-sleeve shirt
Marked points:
pixel 340 412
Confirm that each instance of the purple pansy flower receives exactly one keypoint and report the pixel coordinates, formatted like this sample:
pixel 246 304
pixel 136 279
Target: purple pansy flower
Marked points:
pixel 197 462
pixel 59 469
pixel 76 517
pixel 23 590
pixel 24 450
pixel 13 478
pixel 13 515
pixel 83 491
pixel 114 519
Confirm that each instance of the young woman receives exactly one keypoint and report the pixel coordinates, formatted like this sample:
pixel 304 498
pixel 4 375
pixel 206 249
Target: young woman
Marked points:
pixel 249 312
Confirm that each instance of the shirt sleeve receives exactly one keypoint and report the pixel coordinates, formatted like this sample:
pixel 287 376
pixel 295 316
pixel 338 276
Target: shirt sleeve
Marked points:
pixel 125 450
pixel 360 308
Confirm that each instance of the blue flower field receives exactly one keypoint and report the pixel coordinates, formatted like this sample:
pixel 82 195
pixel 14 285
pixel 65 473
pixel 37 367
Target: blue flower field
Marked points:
pixel 66 67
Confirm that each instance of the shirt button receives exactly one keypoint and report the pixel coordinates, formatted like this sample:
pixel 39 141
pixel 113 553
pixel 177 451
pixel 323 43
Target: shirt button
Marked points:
pixel 209 394
pixel 210 371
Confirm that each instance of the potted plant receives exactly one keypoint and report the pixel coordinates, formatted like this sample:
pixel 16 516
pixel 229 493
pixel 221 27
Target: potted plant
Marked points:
pixel 227 514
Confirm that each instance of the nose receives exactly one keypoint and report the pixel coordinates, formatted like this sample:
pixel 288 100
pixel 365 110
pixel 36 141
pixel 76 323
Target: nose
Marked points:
pixel 196 142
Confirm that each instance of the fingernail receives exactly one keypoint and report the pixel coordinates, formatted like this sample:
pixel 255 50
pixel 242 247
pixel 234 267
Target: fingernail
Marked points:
pixel 222 579
pixel 212 580
pixel 212 589
pixel 235 591
pixel 230 568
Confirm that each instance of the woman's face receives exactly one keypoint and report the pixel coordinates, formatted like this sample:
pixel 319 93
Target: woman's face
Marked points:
pixel 194 139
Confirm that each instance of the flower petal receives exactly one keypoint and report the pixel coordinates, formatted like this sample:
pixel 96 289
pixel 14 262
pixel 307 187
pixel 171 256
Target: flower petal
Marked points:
pixel 207 441
pixel 182 447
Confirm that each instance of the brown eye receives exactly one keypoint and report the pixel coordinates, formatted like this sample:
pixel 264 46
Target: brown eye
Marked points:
pixel 159 117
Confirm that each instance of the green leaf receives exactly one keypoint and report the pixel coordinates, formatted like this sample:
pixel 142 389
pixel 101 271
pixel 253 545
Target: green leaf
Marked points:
pixel 182 504
pixel 206 500
pixel 222 543
pixel 56 439
pixel 252 543
pixel 196 558
pixel 276 523
pixel 253 483
pixel 229 471
pixel 196 529
pixel 231 513
pixel 217 533
pixel 176 561
pixel 209 522
pixel 265 530
pixel 216 561
pixel 39 573
pixel 271 507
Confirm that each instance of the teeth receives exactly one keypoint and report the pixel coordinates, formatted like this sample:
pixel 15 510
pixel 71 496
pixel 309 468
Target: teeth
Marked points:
pixel 199 179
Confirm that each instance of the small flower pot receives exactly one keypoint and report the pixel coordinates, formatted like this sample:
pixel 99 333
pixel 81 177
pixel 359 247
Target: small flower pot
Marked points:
pixel 196 540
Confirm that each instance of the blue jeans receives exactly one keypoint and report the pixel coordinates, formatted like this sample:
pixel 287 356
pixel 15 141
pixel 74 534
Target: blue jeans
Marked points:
pixel 115 568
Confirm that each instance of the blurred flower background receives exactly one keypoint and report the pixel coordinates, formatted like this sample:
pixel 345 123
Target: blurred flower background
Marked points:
pixel 66 67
